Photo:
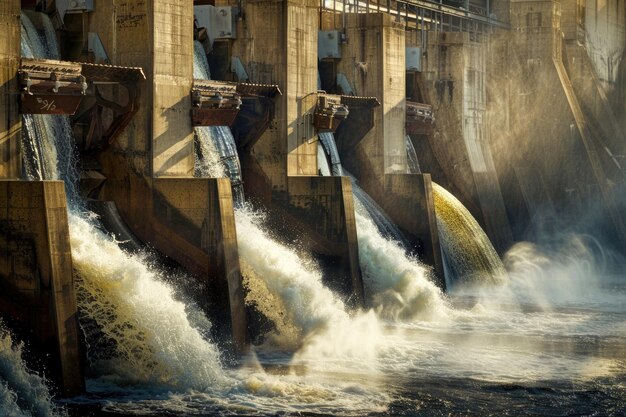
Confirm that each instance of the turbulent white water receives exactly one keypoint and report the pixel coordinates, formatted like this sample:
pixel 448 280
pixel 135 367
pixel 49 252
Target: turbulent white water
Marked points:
pixel 149 334
pixel 326 330
pixel 398 285
pixel 22 392
pixel 155 342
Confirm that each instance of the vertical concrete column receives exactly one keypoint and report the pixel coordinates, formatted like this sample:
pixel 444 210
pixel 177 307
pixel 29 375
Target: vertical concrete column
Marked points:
pixel 455 84
pixel 277 42
pixel 191 220
pixel 413 209
pixel 36 276
pixel 373 61
pixel 11 121
pixel 550 121
pixel 158 36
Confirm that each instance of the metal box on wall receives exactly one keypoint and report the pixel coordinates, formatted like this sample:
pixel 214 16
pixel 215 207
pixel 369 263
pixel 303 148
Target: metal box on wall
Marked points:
pixel 414 59
pixel 329 44
pixel 218 21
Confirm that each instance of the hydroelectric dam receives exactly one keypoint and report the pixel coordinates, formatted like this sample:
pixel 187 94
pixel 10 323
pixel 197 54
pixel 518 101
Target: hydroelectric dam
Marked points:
pixel 312 208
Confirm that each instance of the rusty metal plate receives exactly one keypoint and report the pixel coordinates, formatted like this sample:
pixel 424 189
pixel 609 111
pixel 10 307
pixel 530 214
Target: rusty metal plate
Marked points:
pixel 111 73
pixel 213 117
pixel 360 102
pixel 49 104
pixel 418 127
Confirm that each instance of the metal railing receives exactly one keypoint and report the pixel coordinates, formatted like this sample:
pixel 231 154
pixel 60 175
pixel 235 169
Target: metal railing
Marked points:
pixel 423 15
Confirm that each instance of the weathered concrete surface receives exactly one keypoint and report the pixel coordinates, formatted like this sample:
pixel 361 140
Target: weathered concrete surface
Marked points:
pixel 37 295
pixel 373 62
pixel 319 212
pixel 190 220
pixel 277 43
pixel 605 38
pixel 11 121
pixel 454 82
pixel 158 36
pixel 545 120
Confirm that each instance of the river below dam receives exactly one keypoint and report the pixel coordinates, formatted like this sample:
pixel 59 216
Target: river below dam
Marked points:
pixel 561 351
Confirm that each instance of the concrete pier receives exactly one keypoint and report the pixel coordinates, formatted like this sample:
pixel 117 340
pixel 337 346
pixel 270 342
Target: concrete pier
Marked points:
pixel 280 171
pixel 149 167
pixel 37 296
pixel 373 62
pixel 542 98
pixel 454 82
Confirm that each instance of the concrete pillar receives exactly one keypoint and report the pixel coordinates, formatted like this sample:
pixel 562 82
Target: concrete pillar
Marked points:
pixel 11 121
pixel 189 220
pixel 413 210
pixel 158 36
pixel 373 62
pixel 36 278
pixel 454 82
pixel 277 43
pixel 548 121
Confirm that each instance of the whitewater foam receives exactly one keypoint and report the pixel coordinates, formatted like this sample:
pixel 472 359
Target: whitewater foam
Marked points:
pixel 154 340
pixel 22 392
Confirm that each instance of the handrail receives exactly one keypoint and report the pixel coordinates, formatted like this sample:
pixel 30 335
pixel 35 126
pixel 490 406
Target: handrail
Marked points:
pixel 357 6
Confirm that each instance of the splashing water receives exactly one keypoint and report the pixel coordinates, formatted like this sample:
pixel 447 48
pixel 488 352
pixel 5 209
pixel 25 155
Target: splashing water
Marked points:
pixel 22 393
pixel 150 332
pixel 310 312
pixel 325 329
pixel 154 340
pixel 413 165
pixel 216 154
pixel 208 163
pixel 467 252
pixel 398 285
pixel 47 141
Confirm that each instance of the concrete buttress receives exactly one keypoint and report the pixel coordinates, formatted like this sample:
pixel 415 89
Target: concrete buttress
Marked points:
pixel 149 167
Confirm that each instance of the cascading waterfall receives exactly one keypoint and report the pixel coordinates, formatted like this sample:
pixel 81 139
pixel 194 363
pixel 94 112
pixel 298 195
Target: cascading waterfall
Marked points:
pixel 468 254
pixel 47 152
pixel 22 393
pixel 155 342
pixel 486 358
pixel 413 164
pixel 388 229
pixel 149 335
pixel 317 317
pixel 397 283
pixel 216 151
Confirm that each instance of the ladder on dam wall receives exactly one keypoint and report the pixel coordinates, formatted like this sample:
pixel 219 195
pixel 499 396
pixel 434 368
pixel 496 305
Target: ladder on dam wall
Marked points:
pixel 587 140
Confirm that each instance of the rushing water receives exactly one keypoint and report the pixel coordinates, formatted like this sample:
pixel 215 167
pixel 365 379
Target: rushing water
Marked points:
pixel 22 392
pixel 550 340
pixel 468 254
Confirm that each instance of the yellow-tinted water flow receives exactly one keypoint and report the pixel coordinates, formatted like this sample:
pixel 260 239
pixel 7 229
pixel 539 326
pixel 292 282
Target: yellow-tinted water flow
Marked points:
pixel 469 253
